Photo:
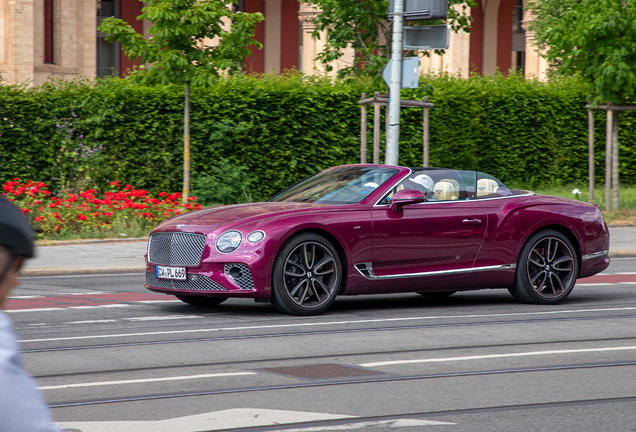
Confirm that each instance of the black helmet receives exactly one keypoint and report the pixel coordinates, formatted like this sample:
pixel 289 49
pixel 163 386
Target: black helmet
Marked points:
pixel 15 232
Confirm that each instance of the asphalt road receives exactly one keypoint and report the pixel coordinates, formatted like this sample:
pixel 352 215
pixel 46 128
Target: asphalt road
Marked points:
pixel 104 350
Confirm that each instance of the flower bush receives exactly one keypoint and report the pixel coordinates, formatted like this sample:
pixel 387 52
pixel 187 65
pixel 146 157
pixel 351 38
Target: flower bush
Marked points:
pixel 119 208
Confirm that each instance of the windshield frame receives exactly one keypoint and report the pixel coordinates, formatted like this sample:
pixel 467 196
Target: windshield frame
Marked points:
pixel 360 174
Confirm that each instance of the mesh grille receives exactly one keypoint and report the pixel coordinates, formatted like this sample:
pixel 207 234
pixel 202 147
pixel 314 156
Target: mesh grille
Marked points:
pixel 176 248
pixel 245 281
pixel 195 282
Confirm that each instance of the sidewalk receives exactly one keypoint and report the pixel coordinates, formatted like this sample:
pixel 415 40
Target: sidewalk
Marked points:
pixel 128 256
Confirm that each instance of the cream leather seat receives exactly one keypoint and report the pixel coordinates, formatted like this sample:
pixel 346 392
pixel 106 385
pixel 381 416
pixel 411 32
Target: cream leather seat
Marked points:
pixel 486 187
pixel 446 190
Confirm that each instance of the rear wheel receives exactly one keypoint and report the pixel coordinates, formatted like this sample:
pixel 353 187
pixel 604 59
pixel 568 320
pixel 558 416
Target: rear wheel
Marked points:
pixel 201 301
pixel 546 269
pixel 307 275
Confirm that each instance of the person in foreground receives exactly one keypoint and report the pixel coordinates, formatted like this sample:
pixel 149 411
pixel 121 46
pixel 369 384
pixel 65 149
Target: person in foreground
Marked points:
pixel 22 407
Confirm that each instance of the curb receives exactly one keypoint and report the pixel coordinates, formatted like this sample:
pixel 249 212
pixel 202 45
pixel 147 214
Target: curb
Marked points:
pixel 69 271
pixel 72 242
pixel 622 253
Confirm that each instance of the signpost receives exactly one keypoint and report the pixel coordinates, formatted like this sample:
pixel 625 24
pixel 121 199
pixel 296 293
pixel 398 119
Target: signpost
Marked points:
pixel 426 37
pixel 410 72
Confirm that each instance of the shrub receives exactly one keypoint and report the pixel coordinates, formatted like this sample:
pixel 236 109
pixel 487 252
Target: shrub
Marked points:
pixel 281 129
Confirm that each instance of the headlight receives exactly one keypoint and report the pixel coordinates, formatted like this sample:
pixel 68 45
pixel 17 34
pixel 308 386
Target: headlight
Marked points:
pixel 229 241
pixel 255 236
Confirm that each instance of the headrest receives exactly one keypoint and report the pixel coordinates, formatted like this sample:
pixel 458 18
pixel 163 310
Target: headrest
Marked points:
pixel 445 190
pixel 486 187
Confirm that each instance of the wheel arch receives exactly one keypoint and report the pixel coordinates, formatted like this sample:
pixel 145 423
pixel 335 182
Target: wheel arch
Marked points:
pixel 566 232
pixel 342 255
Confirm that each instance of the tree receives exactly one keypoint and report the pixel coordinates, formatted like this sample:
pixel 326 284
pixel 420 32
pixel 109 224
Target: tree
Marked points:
pixel 177 51
pixel 594 39
pixel 363 26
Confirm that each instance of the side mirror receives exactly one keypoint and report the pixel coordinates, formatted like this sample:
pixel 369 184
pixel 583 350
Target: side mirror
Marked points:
pixel 406 196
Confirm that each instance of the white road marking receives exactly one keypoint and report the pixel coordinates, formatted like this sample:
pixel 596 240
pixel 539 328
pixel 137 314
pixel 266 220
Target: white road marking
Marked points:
pixel 626 273
pixel 145 380
pixel 240 418
pixel 581 285
pixel 159 301
pixel 92 321
pixel 115 305
pixel 296 325
pixel 31 310
pixel 158 318
pixel 363 425
pixel 493 356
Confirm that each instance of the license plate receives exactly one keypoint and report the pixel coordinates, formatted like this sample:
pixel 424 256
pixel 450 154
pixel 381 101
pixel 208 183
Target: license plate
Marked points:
pixel 175 273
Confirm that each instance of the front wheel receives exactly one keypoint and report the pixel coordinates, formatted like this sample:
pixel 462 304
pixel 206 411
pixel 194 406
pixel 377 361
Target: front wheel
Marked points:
pixel 201 301
pixel 546 269
pixel 307 275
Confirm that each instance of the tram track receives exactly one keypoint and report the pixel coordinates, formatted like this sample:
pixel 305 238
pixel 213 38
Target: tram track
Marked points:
pixel 250 364
pixel 426 415
pixel 302 333
pixel 345 382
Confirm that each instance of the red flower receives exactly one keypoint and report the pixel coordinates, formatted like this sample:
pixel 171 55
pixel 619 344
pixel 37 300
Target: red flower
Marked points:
pixel 81 217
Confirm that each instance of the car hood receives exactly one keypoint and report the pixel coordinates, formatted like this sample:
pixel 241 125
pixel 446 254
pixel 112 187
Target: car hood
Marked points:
pixel 212 218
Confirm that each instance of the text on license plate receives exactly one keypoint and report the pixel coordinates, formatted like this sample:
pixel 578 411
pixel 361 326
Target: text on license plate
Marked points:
pixel 176 273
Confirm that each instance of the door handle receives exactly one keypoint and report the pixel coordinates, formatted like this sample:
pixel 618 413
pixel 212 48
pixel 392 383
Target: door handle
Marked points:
pixel 471 221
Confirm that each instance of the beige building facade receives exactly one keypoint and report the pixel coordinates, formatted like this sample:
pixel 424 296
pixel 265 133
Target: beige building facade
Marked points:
pixel 41 39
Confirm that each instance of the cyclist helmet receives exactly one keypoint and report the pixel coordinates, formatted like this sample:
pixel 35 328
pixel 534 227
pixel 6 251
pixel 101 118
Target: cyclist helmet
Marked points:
pixel 15 232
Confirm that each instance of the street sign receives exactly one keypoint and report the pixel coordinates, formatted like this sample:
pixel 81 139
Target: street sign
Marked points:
pixel 418 10
pixel 435 37
pixel 410 75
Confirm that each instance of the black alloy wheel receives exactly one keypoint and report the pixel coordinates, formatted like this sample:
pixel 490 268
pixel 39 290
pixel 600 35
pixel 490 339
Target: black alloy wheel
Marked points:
pixel 201 301
pixel 546 270
pixel 307 275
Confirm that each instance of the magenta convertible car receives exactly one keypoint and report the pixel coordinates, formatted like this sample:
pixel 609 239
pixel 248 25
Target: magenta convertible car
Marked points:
pixel 377 229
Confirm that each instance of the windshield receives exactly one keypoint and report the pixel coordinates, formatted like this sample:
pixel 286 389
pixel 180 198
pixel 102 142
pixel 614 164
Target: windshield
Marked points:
pixel 340 185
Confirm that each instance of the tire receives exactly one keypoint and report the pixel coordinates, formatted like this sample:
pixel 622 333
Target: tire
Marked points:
pixel 546 269
pixel 307 275
pixel 201 301
pixel 437 294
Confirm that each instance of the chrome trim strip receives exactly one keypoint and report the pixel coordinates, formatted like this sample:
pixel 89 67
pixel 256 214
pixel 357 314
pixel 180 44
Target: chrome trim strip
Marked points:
pixel 457 201
pixel 366 270
pixel 594 255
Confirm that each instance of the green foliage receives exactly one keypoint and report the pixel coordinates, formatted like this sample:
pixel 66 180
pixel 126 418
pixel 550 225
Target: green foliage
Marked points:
pixel 282 129
pixel 224 183
pixel 595 39
pixel 363 26
pixel 176 51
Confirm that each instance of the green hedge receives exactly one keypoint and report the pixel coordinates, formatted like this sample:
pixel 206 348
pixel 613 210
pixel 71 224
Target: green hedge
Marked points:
pixel 281 129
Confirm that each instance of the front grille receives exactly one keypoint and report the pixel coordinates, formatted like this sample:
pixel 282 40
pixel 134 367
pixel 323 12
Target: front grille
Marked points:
pixel 195 282
pixel 176 248
pixel 245 280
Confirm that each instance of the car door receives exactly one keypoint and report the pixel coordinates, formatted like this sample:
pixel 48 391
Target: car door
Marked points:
pixel 436 239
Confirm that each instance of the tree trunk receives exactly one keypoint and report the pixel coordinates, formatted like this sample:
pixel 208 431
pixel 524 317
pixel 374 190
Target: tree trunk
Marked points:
pixel 186 145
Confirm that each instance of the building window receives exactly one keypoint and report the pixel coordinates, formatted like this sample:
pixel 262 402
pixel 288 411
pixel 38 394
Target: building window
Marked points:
pixel 518 39
pixel 48 32
pixel 107 53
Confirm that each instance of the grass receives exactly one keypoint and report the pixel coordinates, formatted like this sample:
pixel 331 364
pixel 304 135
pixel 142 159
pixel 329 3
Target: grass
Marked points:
pixel 625 216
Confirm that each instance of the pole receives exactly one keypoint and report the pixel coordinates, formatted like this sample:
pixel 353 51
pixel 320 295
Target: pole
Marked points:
pixel 608 159
pixel 426 135
pixel 393 142
pixel 615 192
pixel 186 145
pixel 590 153
pixel 363 131
pixel 376 129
